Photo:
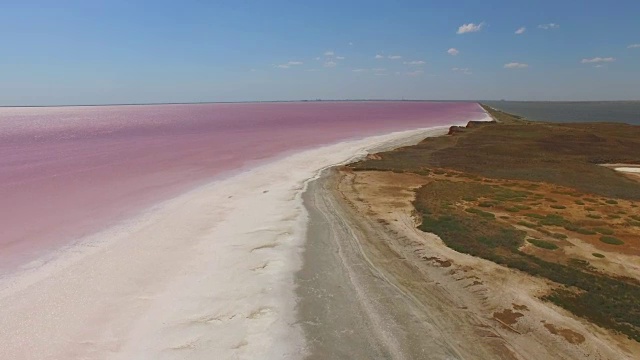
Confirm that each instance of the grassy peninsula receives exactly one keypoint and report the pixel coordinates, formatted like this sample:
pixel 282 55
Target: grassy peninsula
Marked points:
pixel 536 197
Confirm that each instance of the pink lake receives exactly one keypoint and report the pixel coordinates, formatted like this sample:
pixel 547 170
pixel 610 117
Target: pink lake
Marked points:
pixel 68 172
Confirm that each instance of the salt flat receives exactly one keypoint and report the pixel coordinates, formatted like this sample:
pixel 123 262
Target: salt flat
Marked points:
pixel 208 272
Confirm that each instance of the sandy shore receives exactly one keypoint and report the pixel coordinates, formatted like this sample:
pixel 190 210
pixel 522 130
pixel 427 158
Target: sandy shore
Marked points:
pixel 209 272
pixel 375 287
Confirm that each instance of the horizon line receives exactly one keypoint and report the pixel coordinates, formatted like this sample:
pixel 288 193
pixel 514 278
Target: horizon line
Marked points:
pixel 304 100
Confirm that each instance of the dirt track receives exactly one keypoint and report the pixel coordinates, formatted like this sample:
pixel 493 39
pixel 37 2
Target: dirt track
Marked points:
pixel 373 286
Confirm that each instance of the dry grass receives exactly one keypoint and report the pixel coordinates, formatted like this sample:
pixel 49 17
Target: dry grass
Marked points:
pixel 486 189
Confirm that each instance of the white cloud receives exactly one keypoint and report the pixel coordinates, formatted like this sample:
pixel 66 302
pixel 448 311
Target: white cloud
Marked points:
pixel 453 52
pixel 598 60
pixel 253 70
pixel 516 65
pixel 318 58
pixel 415 73
pixel 378 56
pixel 414 62
pixel 395 57
pixel 598 66
pixel 330 64
pixel 549 26
pixel 350 44
pixel 376 71
pixel 339 57
pixel 289 64
pixel 521 31
pixel 329 53
pixel 465 71
pixel 469 28
pixel 633 46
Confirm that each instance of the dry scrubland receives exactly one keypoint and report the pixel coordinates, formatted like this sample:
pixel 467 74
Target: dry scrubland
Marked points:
pixel 534 197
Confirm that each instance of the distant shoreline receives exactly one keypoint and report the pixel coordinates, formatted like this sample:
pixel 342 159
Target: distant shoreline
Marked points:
pixel 327 100
pixel 572 112
pixel 236 102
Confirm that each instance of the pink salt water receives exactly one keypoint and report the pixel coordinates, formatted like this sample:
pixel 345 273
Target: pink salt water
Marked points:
pixel 68 172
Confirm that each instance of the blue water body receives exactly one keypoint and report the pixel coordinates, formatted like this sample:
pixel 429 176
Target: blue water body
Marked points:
pixel 583 111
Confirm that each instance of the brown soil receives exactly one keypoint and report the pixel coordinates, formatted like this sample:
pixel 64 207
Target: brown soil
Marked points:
pixel 507 316
pixel 505 302
pixel 571 336
pixel 532 196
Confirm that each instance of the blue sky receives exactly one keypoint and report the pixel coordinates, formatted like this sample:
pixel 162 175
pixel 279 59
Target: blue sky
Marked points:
pixel 96 52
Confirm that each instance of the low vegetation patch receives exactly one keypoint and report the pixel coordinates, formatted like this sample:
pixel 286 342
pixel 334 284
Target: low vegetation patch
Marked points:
pixel 579 230
pixel 559 236
pixel 484 214
pixel 611 240
pixel 488 204
pixel 497 175
pixel 528 224
pixel 543 244
pixel 603 231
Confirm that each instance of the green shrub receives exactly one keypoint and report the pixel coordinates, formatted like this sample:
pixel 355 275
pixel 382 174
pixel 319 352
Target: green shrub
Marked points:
pixel 579 263
pixel 579 202
pixel 553 220
pixel 543 244
pixel 598 255
pixel 528 224
pixel 559 207
pixel 584 231
pixel 559 236
pixel 611 202
pixel 603 231
pixel 487 204
pixel 544 231
pixel 484 214
pixel 611 240
pixel 579 230
pixel 594 216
